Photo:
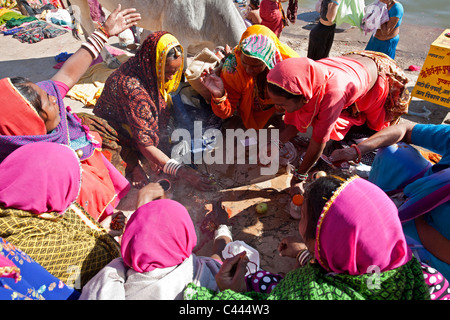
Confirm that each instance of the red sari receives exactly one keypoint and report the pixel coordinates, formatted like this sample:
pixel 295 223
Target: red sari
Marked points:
pixel 272 16
pixel 102 186
pixel 339 95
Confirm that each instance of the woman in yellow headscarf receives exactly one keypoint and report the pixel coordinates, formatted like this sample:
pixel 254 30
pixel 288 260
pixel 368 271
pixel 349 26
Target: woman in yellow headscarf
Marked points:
pixel 135 110
pixel 242 85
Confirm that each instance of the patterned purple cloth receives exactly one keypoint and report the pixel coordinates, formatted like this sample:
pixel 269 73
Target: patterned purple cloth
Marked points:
pixel 69 129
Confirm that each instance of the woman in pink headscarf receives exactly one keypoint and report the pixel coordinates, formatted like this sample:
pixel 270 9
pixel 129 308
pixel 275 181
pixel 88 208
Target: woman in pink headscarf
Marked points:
pixel 39 213
pixel 332 95
pixel 157 257
pixel 353 249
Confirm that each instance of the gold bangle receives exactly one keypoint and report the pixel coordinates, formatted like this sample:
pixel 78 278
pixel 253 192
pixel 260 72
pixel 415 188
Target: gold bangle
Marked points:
pixel 221 99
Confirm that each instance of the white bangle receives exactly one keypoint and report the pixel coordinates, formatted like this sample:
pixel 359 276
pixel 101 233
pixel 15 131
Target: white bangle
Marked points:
pixel 303 257
pixel 223 230
pixel 171 167
pixel 95 43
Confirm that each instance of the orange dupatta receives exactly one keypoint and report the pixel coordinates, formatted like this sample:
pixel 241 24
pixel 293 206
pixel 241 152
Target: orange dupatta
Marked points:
pixel 261 43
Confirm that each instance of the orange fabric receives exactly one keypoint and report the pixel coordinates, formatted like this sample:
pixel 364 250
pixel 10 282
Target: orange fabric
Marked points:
pixel 97 189
pixel 16 111
pixel 241 88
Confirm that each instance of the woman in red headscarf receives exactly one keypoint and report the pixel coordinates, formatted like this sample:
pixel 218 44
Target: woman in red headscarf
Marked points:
pixel 36 113
pixel 334 94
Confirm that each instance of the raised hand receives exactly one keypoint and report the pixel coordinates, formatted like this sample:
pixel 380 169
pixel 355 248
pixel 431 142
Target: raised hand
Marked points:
pixel 120 20
pixel 213 83
pixel 346 154
pixel 150 192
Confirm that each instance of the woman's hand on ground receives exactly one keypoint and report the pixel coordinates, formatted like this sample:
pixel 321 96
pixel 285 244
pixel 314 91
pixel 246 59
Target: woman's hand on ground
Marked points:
pixel 120 20
pixel 297 187
pixel 290 246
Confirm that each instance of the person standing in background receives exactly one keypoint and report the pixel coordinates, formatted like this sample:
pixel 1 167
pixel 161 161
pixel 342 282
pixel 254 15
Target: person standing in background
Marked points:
pixel 272 15
pixel 386 38
pixel 252 15
pixel 321 36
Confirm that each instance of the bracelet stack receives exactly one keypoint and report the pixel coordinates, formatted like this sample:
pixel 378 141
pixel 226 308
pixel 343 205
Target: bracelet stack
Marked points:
pixel 358 160
pixel 171 167
pixel 300 176
pixel 96 42
pixel 303 257
pixel 218 101
pixel 223 230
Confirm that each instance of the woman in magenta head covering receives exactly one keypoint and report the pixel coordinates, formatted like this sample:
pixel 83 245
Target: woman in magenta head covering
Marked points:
pixel 157 257
pixel 353 249
pixel 39 214
pixel 35 112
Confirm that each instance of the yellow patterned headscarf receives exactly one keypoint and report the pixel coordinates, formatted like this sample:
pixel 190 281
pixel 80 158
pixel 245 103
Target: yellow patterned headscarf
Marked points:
pixel 165 44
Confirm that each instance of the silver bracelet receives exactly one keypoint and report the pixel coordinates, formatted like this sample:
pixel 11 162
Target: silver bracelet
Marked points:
pixel 171 167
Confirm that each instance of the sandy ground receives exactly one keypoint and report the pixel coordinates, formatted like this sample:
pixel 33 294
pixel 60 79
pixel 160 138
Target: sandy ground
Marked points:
pixel 240 186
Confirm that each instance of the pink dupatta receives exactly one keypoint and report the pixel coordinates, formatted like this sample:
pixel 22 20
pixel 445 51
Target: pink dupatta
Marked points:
pixel 359 228
pixel 159 234
pixel 40 177
pixel 330 86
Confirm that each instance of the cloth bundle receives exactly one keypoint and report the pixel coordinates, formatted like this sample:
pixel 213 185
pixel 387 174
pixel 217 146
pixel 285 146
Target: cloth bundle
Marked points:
pixel 204 60
pixel 38 31
pixel 351 12
pixel 375 15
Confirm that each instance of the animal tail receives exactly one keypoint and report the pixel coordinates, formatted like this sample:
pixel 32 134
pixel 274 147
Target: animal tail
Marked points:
pixel 75 23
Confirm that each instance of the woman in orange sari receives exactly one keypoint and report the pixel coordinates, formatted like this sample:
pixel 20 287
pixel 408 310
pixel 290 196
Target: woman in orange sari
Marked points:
pixel 242 85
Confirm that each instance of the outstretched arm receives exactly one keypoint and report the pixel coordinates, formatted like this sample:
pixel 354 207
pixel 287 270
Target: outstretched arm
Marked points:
pixel 74 68
pixel 383 138
pixel 433 240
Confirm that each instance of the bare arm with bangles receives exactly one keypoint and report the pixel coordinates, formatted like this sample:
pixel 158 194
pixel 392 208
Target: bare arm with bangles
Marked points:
pixel 313 153
pixel 383 138
pixel 220 101
pixel 75 67
pixel 173 168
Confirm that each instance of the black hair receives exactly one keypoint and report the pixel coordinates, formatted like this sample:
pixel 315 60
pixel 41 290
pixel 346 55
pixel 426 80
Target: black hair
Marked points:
pixel 174 53
pixel 255 3
pixel 278 91
pixel 317 195
pixel 23 86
